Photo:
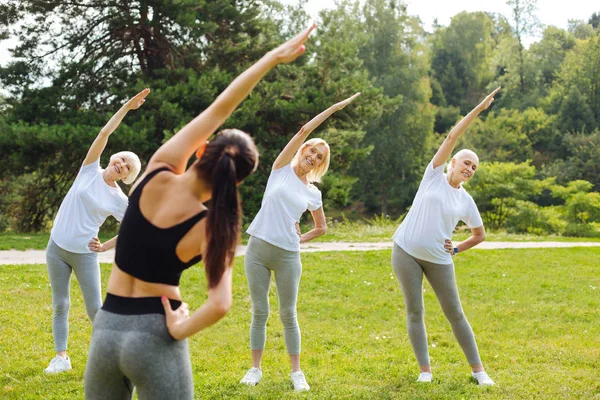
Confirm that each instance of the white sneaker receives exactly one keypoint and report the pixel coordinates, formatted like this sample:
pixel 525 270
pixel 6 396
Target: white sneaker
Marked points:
pixel 482 378
pixel 252 377
pixel 58 364
pixel 425 377
pixel 299 381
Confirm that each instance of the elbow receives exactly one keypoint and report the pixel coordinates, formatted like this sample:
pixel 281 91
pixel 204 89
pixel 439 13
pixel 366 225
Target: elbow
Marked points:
pixel 318 231
pixel 480 238
pixel 222 306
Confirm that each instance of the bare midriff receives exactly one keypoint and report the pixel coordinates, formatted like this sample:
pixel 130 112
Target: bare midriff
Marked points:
pixel 122 284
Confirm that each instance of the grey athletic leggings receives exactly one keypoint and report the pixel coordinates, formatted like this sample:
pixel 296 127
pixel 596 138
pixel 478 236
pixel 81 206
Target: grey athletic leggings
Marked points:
pixel 87 270
pixel 262 258
pixel 136 350
pixel 409 272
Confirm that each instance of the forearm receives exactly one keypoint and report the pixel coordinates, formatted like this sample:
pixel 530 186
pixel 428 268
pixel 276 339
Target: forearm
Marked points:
pixel 177 150
pixel 312 234
pixel 470 242
pixel 460 128
pixel 208 314
pixel 445 150
pixel 229 99
pixel 110 244
pixel 114 122
pixel 318 120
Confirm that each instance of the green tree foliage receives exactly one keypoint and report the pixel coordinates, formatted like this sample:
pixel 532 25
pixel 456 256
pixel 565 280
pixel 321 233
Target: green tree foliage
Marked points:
pixel 507 195
pixel 460 60
pixel 187 52
pixel 395 56
pixel 548 54
pixel 510 135
pixel 496 188
pixel 574 113
pixel 580 72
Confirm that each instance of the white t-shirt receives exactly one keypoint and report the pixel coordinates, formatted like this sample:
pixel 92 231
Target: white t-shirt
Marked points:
pixel 85 208
pixel 285 200
pixel 434 214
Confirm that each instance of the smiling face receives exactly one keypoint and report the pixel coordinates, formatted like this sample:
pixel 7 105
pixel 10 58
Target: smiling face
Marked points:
pixel 119 168
pixel 464 166
pixel 312 156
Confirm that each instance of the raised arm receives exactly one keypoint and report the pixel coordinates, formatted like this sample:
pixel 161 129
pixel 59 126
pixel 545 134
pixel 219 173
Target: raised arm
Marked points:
pixel 287 154
pixel 99 144
pixel 445 150
pixel 177 150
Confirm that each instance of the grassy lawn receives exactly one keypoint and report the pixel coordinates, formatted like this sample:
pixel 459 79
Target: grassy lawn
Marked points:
pixel 344 232
pixel 534 313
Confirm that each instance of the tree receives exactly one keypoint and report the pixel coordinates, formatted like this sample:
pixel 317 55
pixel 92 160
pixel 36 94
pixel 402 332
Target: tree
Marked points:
pixel 594 20
pixel 460 59
pixel 395 56
pixel 580 29
pixel 575 114
pixel 203 46
pixel 525 23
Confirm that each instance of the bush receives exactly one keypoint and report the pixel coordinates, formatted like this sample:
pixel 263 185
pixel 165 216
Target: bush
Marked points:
pixel 582 230
pixel 528 217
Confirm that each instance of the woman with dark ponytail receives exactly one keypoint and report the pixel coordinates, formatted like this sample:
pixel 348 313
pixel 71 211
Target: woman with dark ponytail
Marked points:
pixel 140 334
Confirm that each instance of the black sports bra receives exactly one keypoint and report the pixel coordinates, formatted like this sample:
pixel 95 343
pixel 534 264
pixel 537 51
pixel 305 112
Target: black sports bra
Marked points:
pixel 147 252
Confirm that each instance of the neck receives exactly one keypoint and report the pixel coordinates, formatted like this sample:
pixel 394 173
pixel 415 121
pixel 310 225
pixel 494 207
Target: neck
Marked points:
pixel 455 183
pixel 200 188
pixel 300 173
pixel 108 179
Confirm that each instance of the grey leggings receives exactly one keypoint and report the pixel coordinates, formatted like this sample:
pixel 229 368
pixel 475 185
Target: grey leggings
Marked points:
pixel 136 350
pixel 262 258
pixel 409 272
pixel 87 270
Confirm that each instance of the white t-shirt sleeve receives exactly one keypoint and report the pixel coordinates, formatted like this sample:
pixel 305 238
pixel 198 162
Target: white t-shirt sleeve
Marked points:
pixel 120 213
pixel 88 171
pixel 431 173
pixel 473 218
pixel 317 202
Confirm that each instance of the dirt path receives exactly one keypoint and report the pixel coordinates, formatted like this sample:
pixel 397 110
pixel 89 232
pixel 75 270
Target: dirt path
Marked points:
pixel 39 256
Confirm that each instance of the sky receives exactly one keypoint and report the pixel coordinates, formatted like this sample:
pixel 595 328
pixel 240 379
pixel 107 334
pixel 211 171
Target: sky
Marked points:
pixel 550 12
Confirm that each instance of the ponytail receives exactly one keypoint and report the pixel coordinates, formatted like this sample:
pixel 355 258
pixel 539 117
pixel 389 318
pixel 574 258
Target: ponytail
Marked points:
pixel 226 161
pixel 223 220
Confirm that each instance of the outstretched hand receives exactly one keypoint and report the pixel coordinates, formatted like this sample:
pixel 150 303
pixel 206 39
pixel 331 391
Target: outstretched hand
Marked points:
pixel 136 101
pixel 489 99
pixel 344 103
pixel 293 48
pixel 175 318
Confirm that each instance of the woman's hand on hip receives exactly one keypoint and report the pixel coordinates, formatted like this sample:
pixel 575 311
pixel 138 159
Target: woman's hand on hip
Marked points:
pixel 176 319
pixel 449 247
pixel 96 246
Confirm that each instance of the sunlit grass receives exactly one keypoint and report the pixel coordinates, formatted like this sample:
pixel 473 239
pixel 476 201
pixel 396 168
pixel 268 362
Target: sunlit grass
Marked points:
pixel 534 313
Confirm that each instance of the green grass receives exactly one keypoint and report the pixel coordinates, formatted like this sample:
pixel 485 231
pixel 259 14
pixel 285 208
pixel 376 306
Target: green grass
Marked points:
pixel 33 241
pixel 337 232
pixel 534 313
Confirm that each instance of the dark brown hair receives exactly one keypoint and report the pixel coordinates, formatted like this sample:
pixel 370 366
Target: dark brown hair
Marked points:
pixel 227 160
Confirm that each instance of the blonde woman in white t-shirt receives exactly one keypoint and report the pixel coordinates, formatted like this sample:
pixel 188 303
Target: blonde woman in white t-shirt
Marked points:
pixel 423 246
pixel 73 244
pixel 274 244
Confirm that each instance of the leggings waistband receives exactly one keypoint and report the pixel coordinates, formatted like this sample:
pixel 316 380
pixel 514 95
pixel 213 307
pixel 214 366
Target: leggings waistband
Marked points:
pixel 136 305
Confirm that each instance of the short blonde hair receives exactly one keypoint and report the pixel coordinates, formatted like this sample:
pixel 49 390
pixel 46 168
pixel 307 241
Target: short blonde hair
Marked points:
pixel 460 154
pixel 315 174
pixel 134 165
